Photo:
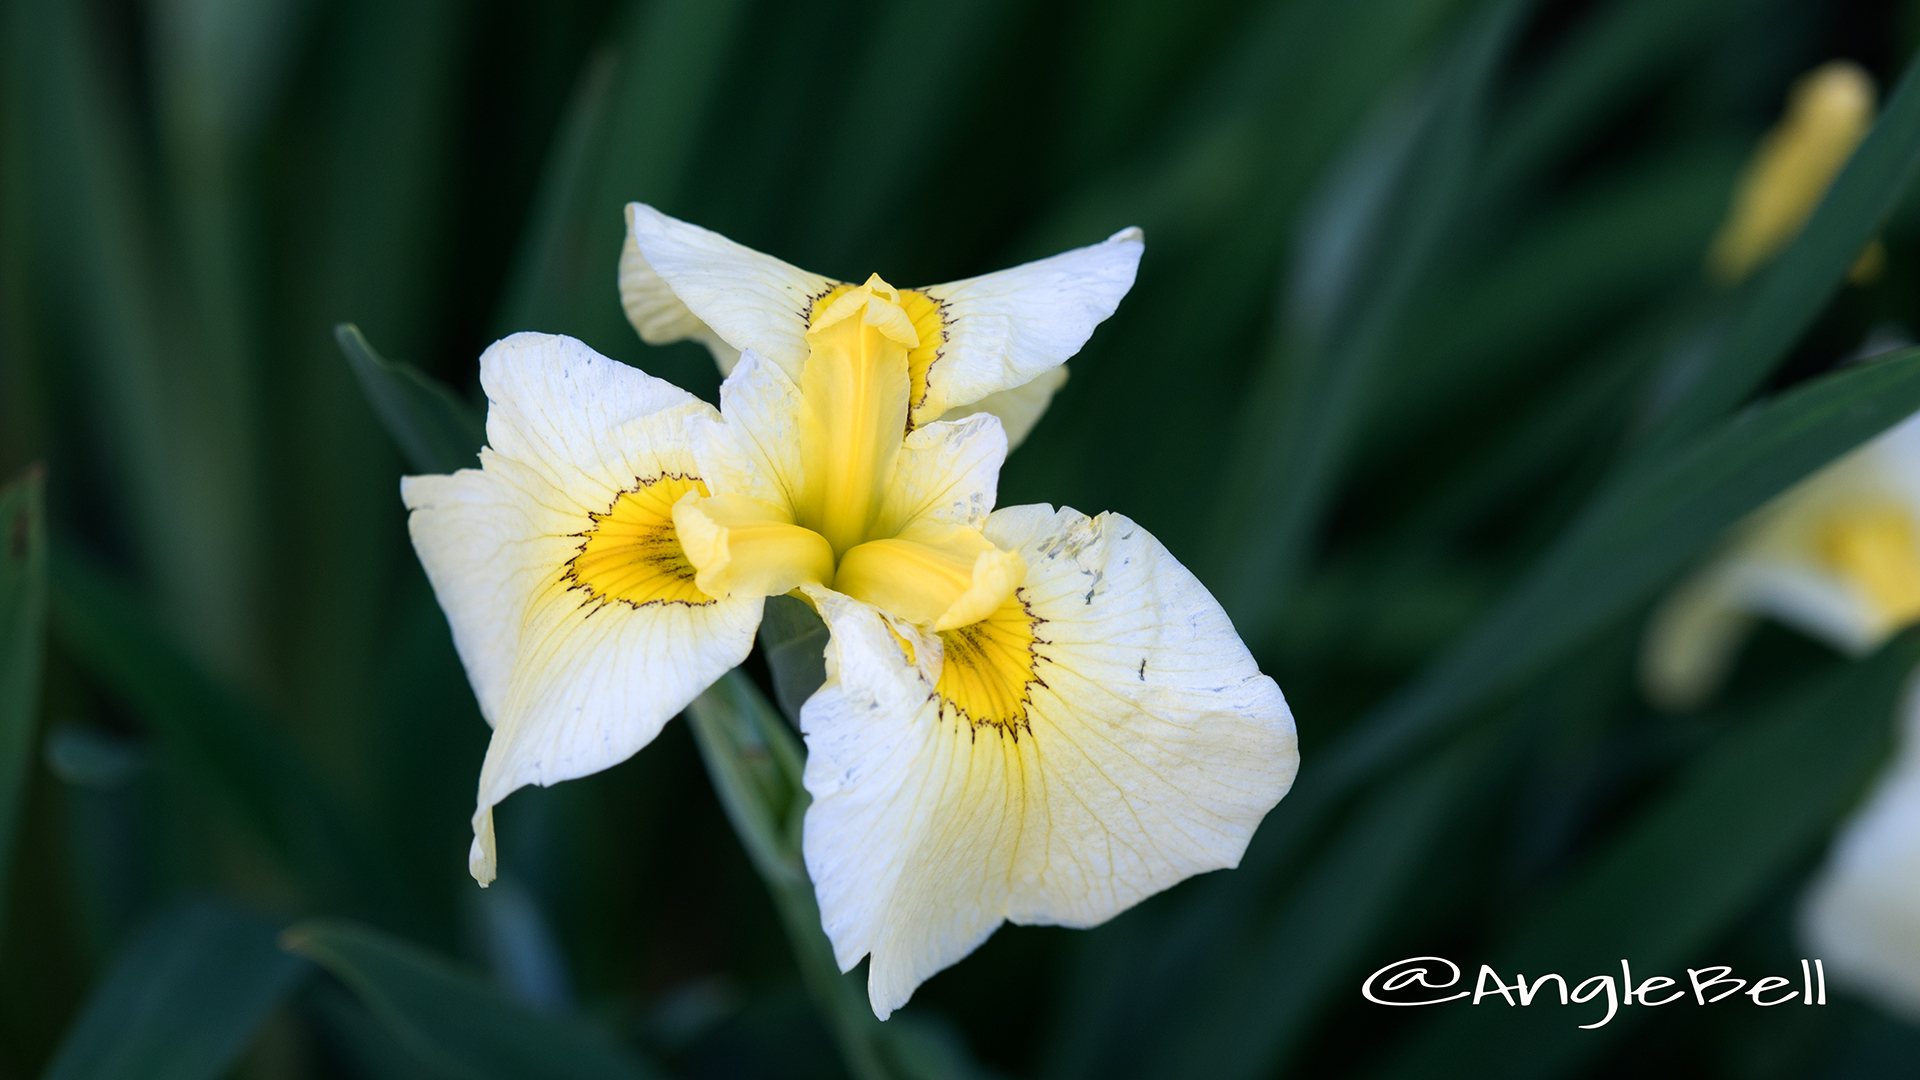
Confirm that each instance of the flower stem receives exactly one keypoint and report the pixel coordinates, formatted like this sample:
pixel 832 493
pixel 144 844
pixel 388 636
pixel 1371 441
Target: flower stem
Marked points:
pixel 754 761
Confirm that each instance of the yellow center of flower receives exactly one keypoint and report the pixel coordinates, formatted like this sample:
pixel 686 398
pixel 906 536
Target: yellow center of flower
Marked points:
pixel 1878 549
pixel 990 668
pixel 929 325
pixel 871 347
pixel 854 389
pixel 632 554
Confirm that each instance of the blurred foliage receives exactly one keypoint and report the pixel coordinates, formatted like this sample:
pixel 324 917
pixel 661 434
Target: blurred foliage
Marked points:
pixel 1421 375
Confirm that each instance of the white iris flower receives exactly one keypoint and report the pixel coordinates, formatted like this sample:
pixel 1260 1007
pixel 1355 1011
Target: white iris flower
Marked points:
pixel 1029 714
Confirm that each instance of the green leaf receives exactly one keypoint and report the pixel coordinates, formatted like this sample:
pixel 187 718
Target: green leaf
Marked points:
pixel 1602 251
pixel 1379 220
pixel 1591 404
pixel 1785 299
pixel 1244 1020
pixel 1686 868
pixel 368 231
pixel 362 1042
pixel 1281 93
pixel 232 751
pixel 1620 49
pixel 555 226
pixel 175 419
pixel 87 757
pixel 454 1020
pixel 923 60
pixel 222 65
pixel 755 763
pixel 216 69
pixel 794 641
pixel 182 1000
pixel 23 645
pixel 1632 538
pixel 675 53
pixel 436 430
pixel 629 135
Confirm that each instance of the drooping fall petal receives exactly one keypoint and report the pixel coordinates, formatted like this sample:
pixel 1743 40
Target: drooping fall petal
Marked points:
pixel 1101 737
pixel 572 604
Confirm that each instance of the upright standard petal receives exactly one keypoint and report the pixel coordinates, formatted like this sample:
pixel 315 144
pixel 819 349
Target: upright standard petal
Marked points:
pixel 992 343
pixel 947 473
pixel 1100 737
pixel 1860 914
pixel 748 300
pixel 756 450
pixel 1020 408
pixel 929 562
pixel 658 315
pixel 572 604
pixel 1003 330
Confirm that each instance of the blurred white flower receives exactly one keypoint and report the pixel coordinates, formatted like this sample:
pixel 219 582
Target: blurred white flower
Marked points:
pixel 1837 556
pixel 1029 715
pixel 1862 912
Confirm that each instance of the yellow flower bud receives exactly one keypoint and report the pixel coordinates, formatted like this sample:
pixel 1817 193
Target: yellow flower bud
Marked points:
pixel 1828 113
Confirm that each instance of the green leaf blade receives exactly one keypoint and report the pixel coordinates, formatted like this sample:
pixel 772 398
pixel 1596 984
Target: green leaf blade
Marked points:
pixel 23 636
pixel 1632 538
pixel 435 429
pixel 1620 48
pixel 1683 871
pixel 455 1020
pixel 232 752
pixel 794 640
pixel 182 1000
pixel 1789 295
pixel 1279 979
pixel 755 764
pixel 1380 218
pixel 630 134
